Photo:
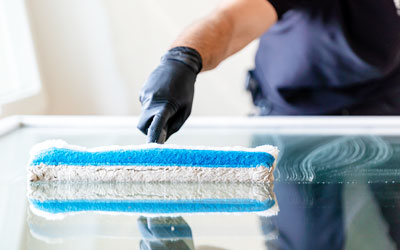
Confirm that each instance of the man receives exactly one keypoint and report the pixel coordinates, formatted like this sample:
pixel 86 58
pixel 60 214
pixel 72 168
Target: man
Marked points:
pixel 316 57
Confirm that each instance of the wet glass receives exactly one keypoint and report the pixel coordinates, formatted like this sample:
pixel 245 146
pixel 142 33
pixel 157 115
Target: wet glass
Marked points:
pixel 333 192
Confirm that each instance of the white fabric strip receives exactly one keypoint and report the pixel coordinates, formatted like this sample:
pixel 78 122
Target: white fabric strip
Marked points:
pixel 147 191
pixel 148 174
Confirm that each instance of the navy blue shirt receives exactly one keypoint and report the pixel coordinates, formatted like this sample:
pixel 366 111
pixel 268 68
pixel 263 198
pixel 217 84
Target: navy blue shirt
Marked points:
pixel 323 56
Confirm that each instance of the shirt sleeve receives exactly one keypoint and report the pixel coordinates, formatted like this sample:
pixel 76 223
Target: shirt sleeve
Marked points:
pixel 281 6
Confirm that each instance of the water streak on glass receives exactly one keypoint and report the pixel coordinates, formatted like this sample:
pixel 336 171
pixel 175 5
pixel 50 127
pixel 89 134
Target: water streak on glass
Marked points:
pixel 336 159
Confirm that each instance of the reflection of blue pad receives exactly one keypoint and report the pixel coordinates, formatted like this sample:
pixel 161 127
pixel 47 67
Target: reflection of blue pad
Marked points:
pixel 156 198
pixel 56 160
pixel 155 207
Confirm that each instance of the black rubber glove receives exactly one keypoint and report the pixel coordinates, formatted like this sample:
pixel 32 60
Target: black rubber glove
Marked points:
pixel 165 233
pixel 167 96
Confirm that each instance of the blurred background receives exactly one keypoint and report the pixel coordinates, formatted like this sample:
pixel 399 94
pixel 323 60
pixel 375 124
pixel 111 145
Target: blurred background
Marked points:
pixel 91 57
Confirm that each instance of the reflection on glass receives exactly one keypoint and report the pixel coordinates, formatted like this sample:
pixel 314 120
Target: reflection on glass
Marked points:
pixel 152 198
pixel 335 216
pixel 335 192
pixel 165 233
pixel 334 159
pixel 60 210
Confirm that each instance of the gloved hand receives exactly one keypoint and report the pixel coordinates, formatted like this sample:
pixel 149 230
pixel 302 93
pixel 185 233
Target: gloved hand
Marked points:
pixel 167 233
pixel 167 96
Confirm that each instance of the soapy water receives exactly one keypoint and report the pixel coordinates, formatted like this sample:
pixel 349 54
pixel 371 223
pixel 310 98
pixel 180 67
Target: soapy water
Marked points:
pixel 336 159
pixel 345 154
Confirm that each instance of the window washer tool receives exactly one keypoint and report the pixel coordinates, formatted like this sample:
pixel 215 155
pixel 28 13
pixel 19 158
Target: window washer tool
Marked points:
pixel 57 161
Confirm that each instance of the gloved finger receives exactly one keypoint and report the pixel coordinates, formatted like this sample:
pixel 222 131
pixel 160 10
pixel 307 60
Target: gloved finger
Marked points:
pixel 157 131
pixel 177 121
pixel 169 228
pixel 146 118
pixel 144 228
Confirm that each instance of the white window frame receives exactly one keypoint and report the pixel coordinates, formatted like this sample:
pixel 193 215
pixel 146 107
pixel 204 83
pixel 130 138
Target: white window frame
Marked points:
pixel 17 45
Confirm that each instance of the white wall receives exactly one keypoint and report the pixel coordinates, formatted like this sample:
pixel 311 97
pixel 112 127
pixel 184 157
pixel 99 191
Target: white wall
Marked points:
pixel 94 55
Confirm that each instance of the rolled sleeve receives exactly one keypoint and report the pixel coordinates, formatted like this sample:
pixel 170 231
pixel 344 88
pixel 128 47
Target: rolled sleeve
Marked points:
pixel 281 6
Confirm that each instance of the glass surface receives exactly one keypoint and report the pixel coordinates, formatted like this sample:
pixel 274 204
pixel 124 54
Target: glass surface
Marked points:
pixel 333 192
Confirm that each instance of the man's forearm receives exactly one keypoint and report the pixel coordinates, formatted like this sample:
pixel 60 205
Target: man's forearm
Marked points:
pixel 229 28
pixel 210 37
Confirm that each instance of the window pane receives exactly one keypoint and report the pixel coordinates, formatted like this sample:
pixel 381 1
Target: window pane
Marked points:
pixel 8 73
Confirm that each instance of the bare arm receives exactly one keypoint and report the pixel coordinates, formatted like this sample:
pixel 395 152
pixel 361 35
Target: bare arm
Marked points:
pixel 167 95
pixel 228 29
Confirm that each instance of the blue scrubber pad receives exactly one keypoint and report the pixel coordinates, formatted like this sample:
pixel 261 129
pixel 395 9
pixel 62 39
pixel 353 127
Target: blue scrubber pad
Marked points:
pixel 56 160
pixel 154 157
